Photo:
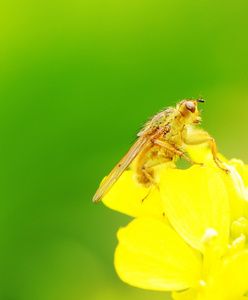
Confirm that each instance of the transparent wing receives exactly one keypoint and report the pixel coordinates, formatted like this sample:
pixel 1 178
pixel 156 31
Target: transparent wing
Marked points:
pixel 114 175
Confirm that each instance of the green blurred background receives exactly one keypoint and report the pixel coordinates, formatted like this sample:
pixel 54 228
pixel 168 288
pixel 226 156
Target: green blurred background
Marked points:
pixel 77 78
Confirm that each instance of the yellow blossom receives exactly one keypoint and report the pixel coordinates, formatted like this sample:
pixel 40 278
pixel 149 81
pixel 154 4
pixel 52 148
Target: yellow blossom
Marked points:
pixel 180 240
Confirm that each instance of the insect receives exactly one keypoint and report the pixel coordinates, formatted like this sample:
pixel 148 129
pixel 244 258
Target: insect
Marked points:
pixel 162 140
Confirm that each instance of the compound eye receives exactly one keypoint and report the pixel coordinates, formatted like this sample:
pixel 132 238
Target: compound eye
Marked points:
pixel 191 106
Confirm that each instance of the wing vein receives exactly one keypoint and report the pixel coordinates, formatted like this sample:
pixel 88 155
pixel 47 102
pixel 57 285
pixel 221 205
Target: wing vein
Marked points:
pixel 115 174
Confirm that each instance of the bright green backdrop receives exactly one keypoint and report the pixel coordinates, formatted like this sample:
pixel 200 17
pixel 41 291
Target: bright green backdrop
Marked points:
pixel 77 78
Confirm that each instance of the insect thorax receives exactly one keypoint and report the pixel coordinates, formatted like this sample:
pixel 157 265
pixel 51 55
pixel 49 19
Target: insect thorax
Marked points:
pixel 159 120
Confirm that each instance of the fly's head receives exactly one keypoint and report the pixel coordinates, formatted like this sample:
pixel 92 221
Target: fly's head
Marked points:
pixel 189 110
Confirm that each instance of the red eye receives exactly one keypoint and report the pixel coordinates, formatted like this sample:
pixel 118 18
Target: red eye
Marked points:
pixel 191 106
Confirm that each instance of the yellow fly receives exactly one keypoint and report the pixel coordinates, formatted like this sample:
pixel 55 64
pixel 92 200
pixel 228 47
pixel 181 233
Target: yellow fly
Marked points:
pixel 162 139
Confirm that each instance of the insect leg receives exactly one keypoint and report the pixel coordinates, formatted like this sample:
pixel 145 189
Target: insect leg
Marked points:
pixel 175 151
pixel 150 178
pixel 214 152
pixel 147 195
pixel 202 137
pixel 150 165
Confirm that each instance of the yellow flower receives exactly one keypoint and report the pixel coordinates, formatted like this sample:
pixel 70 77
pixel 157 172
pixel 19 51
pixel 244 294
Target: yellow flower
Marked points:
pixel 180 241
pixel 151 255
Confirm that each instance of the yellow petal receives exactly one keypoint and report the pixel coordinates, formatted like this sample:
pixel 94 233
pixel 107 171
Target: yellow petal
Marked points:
pixel 194 200
pixel 246 176
pixel 236 192
pixel 235 189
pixel 151 255
pixel 241 168
pixel 230 282
pixel 239 227
pixel 233 180
pixel 126 197
pixel 246 203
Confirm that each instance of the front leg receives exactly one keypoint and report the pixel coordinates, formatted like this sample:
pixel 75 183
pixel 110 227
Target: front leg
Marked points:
pixel 174 151
pixel 202 137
